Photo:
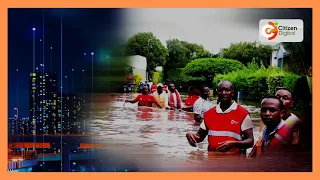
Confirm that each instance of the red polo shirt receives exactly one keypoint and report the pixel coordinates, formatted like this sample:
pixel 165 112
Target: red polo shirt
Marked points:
pixel 145 100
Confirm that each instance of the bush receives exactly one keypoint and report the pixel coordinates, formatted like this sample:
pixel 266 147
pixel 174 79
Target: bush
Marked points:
pixel 256 82
pixel 211 66
pixel 157 77
pixel 290 80
pixel 137 80
pixel 179 78
pixel 274 81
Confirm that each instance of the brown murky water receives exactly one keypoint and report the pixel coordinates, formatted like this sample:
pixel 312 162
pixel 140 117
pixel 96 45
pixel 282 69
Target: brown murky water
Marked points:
pixel 157 137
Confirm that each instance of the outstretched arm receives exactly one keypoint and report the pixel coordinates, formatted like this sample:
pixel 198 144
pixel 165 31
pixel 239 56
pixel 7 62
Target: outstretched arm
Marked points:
pixel 158 104
pixel 131 101
pixel 134 100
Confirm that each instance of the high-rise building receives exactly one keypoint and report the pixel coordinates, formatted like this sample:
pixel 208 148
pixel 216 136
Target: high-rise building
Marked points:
pixel 73 113
pixel 43 99
pixel 81 115
pixel 17 126
pixel 49 112
pixel 12 125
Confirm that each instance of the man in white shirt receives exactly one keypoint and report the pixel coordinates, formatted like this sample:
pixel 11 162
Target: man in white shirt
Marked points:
pixel 203 104
pixel 161 96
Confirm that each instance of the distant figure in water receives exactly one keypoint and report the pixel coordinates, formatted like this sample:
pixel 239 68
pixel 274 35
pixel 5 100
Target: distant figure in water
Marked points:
pixel 174 97
pixel 141 87
pixel 145 99
pixel 193 95
pixel 161 96
pixel 165 87
pixel 202 104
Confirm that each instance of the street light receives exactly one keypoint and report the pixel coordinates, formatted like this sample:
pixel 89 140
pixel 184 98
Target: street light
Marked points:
pixel 34 61
pixel 17 120
pixel 17 87
pixel 34 121
pixel 92 54
pixel 16 109
pixel 72 81
pixel 51 58
pixel 66 83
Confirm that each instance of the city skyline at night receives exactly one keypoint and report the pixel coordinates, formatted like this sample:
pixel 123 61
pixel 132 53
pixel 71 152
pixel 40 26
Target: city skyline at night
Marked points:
pixel 56 41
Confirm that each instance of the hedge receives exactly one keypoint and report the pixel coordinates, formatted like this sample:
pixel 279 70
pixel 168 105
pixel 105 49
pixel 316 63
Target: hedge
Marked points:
pixel 211 66
pixel 256 83
pixel 179 78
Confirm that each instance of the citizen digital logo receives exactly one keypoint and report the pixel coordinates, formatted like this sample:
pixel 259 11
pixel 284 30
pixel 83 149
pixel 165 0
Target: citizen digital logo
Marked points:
pixel 281 30
pixel 287 30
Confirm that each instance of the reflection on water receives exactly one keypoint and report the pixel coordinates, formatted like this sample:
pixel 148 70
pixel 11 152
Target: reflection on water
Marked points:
pixel 163 130
pixel 159 132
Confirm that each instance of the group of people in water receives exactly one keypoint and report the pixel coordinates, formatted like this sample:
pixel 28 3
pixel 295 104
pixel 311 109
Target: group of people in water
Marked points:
pixel 228 125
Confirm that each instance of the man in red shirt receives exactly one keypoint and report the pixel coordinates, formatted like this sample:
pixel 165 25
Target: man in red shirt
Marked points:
pixel 145 99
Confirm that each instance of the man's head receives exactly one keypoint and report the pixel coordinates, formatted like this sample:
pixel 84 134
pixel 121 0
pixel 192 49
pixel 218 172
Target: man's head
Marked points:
pixel 193 91
pixel 159 88
pixel 286 97
pixel 205 92
pixel 272 110
pixel 145 90
pixel 225 92
pixel 171 87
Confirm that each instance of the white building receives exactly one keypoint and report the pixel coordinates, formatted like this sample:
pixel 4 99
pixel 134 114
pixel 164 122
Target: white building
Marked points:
pixel 159 68
pixel 277 56
pixel 139 65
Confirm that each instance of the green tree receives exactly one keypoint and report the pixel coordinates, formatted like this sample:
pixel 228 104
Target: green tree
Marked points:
pixel 181 53
pixel 208 67
pixel 146 44
pixel 298 62
pixel 179 78
pixel 246 51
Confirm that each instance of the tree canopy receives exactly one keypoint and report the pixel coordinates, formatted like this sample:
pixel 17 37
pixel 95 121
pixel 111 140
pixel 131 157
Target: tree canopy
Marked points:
pixel 246 51
pixel 146 44
pixel 206 67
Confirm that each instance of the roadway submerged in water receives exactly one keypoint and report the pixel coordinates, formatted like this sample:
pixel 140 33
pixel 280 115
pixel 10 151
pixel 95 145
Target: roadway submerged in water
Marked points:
pixel 154 138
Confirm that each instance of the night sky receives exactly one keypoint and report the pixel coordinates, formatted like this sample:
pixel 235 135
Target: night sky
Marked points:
pixel 84 31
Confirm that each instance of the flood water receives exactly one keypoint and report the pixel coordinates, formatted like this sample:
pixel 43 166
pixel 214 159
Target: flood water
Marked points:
pixel 156 138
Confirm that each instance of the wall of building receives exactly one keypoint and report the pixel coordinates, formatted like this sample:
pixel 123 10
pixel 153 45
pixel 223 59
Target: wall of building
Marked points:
pixel 139 65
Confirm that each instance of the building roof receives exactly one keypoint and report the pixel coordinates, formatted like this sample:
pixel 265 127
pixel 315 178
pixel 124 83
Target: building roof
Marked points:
pixel 279 47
